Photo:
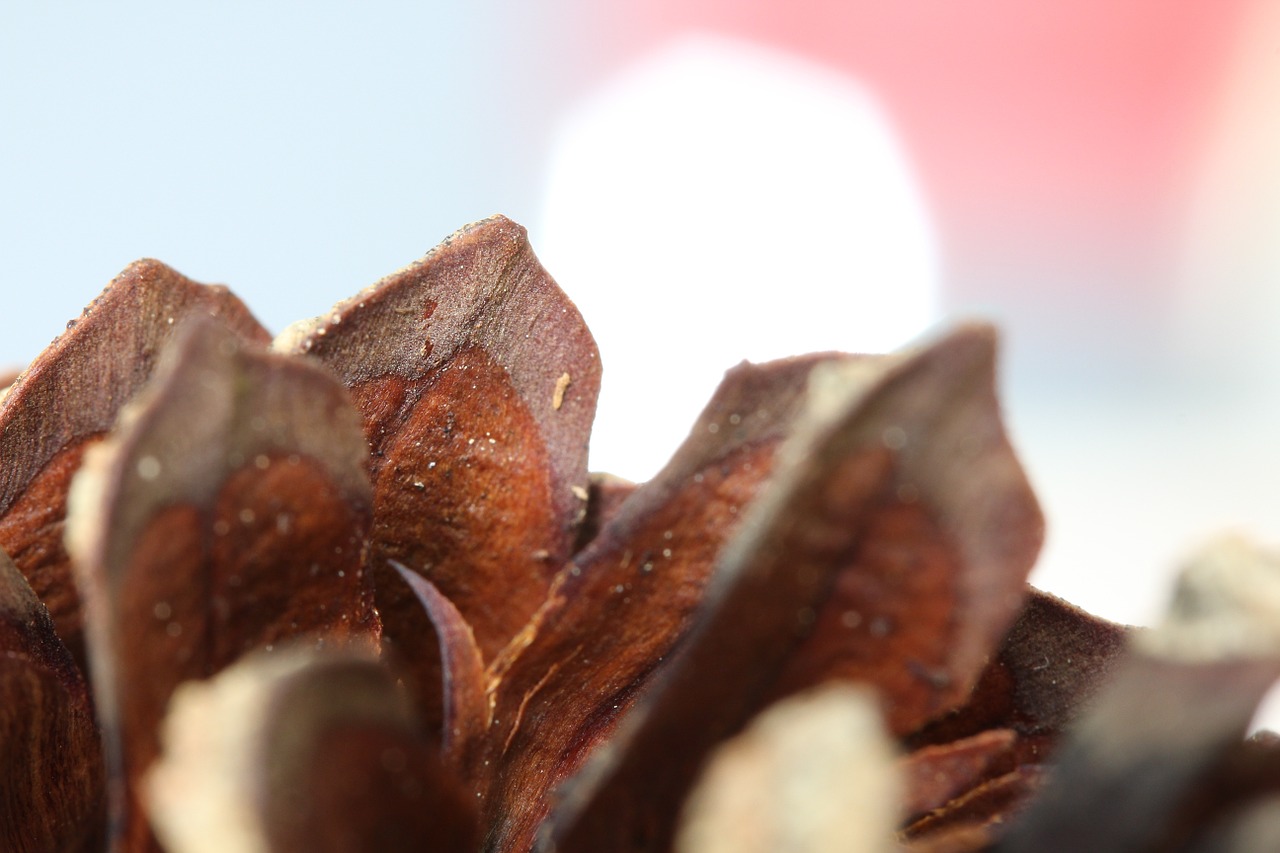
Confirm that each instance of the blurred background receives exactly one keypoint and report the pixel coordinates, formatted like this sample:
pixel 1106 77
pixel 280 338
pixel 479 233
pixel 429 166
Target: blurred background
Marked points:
pixel 715 180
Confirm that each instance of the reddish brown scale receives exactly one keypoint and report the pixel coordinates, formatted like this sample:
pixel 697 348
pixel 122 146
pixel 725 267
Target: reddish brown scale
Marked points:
pixel 935 775
pixel 889 619
pixel 67 399
pixel 227 513
pixel 899 477
pixel 52 795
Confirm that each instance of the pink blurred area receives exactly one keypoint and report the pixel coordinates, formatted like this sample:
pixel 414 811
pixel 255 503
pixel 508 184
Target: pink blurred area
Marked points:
pixel 1057 144
pixel 1101 179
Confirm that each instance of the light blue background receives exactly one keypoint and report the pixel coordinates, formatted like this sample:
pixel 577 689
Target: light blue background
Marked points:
pixel 296 151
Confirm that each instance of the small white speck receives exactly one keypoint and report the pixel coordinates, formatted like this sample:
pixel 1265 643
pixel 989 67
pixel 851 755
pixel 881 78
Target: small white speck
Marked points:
pixel 148 468
pixel 173 629
pixel 894 437
pixel 162 610
pixel 713 428
pixel 261 461
pixel 247 516
pixel 666 552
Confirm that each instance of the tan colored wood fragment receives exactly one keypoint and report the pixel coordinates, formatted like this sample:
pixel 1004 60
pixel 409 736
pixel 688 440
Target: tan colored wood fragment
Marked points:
pixel 557 396
pixel 814 773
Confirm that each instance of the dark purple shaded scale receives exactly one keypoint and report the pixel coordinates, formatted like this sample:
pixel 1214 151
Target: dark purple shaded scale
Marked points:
pixel 69 396
pixel 935 775
pixel 304 751
pixel 920 429
pixel 348 769
pixel 477 381
pixel 605 495
pixel 621 607
pixel 1172 715
pixel 1052 662
pixel 464 713
pixel 989 805
pixel 52 795
pixel 226 512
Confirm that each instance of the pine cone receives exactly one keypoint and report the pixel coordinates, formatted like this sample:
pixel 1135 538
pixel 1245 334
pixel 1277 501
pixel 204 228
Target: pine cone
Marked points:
pixel 354 589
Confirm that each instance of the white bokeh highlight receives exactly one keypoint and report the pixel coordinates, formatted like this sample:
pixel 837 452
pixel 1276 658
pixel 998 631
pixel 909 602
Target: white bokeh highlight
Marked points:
pixel 718 202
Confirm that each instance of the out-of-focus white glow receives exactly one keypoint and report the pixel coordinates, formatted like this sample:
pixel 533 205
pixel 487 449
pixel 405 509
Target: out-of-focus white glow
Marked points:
pixel 1227 308
pixel 720 202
